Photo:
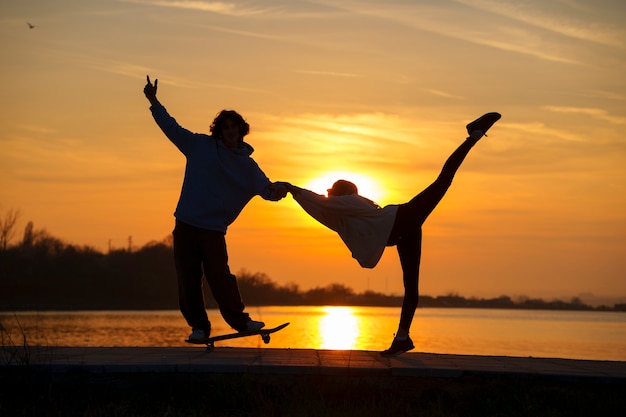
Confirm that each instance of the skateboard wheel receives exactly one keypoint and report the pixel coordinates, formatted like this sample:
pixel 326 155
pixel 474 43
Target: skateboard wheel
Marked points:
pixel 266 338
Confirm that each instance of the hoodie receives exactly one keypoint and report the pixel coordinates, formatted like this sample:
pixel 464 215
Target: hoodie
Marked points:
pixel 219 181
pixel 363 226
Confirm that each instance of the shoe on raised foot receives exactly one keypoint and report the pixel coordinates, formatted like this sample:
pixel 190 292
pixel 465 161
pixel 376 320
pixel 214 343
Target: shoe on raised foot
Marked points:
pixel 253 326
pixel 482 124
pixel 199 336
pixel 398 347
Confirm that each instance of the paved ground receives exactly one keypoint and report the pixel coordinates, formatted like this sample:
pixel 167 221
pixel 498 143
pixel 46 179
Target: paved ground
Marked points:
pixel 301 361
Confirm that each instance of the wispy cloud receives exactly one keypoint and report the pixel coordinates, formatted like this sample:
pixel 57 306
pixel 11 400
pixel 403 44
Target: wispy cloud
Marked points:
pixel 65 161
pixel 247 33
pixel 124 69
pixel 220 7
pixel 135 71
pixel 455 23
pixel 609 95
pixel 44 130
pixel 539 129
pixel 444 94
pixel 566 26
pixel 327 73
pixel 599 114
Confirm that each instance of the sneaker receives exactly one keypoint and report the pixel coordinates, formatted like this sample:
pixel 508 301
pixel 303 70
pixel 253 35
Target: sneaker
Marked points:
pixel 250 326
pixel 482 125
pixel 253 326
pixel 398 347
pixel 199 336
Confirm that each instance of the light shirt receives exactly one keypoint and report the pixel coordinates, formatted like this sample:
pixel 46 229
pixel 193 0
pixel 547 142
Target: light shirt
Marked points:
pixel 363 226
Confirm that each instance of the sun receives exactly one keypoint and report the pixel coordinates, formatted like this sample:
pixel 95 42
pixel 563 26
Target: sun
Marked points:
pixel 367 186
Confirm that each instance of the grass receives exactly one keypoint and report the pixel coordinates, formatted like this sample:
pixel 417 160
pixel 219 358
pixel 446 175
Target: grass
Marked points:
pixel 12 352
pixel 28 392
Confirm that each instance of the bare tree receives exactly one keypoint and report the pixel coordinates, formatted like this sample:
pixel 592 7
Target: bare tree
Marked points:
pixel 29 235
pixel 7 227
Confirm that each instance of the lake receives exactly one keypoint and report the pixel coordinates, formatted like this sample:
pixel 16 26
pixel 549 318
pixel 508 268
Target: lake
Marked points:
pixel 538 333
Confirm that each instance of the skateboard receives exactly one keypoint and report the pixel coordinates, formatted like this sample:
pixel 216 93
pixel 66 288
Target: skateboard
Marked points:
pixel 264 333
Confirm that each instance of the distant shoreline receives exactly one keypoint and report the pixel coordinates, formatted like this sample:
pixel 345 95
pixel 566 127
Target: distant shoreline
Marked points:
pixel 47 274
pixel 620 308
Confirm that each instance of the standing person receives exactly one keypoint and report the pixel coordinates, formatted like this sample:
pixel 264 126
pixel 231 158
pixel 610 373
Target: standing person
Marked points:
pixel 367 229
pixel 220 179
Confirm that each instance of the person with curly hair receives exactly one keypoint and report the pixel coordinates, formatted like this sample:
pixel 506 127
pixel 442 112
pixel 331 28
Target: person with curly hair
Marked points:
pixel 220 179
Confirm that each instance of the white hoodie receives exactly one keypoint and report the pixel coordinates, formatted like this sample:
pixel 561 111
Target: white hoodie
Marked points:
pixel 363 226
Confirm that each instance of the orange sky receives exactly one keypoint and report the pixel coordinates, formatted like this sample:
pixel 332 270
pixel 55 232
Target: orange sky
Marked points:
pixel 379 90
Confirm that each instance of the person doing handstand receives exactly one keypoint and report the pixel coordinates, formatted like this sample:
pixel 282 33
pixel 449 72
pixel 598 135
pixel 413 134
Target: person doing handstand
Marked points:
pixel 367 229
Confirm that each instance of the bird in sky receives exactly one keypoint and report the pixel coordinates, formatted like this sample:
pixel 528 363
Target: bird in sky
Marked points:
pixel 30 26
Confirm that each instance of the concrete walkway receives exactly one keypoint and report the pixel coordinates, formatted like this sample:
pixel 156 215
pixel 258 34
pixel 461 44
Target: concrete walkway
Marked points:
pixel 197 359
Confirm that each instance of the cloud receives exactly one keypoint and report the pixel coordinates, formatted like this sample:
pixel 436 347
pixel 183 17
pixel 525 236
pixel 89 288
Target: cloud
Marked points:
pixel 219 7
pixel 525 48
pixel 444 94
pixel 327 73
pixel 136 71
pixel 536 15
pixel 125 69
pixel 599 114
pixel 456 23
pixel 71 161
pixel 43 130
pixel 609 95
pixel 248 34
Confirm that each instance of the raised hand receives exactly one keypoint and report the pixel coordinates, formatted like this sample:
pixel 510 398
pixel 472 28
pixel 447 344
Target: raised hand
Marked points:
pixel 150 90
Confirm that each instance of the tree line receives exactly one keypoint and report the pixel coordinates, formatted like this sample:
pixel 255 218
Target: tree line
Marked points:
pixel 41 272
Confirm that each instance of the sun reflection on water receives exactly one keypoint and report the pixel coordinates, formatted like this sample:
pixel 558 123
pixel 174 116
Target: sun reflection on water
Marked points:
pixel 594 335
pixel 338 328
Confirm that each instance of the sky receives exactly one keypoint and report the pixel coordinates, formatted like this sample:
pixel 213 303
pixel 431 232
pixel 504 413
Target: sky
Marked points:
pixel 378 92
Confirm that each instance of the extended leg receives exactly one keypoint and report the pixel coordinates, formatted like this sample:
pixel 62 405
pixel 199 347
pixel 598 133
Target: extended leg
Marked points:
pixel 425 202
pixel 419 208
pixel 407 236
pixel 406 233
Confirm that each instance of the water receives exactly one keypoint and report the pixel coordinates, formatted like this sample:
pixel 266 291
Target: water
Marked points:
pixel 556 334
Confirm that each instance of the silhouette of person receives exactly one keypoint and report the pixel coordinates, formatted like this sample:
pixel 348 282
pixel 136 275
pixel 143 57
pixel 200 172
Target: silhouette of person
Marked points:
pixel 367 229
pixel 220 179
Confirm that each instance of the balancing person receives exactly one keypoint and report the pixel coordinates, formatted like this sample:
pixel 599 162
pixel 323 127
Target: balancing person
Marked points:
pixel 367 229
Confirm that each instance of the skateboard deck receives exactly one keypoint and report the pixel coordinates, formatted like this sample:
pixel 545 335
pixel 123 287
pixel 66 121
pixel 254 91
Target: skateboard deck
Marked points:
pixel 264 333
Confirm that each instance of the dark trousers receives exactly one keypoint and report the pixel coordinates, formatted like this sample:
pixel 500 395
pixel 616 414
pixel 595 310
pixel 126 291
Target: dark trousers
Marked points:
pixel 199 252
pixel 406 234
